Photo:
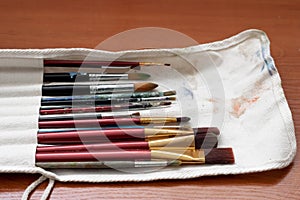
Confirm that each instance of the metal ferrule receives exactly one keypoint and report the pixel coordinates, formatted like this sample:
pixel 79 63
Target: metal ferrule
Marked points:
pixel 167 98
pixel 173 143
pixel 153 120
pixel 111 88
pixel 182 155
pixel 154 163
pixel 107 77
pixel 168 132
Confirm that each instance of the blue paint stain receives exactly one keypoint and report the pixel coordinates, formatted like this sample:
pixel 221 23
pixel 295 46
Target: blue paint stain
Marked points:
pixel 187 92
pixel 268 62
pixel 73 74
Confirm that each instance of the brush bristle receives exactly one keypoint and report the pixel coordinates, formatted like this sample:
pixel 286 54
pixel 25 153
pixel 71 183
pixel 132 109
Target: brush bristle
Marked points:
pixel 206 141
pixel 183 119
pixel 219 156
pixel 214 130
pixel 171 98
pixel 136 114
pixel 167 103
pixel 144 87
pixel 138 76
pixel 169 93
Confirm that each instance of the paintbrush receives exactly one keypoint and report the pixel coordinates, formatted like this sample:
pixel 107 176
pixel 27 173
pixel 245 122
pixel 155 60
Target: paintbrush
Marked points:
pixel 98 64
pixel 195 141
pixel 172 127
pixel 109 122
pixel 57 90
pixel 117 134
pixel 110 96
pixel 92 77
pixel 84 116
pixel 64 109
pixel 108 101
pixel 109 164
pixel 199 156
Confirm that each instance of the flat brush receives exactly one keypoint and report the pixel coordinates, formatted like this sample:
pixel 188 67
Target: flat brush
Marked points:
pixel 116 134
pixel 108 122
pixel 110 96
pixel 56 90
pixel 70 109
pixel 97 64
pixel 196 141
pixel 211 156
pixel 108 101
pixel 83 116
pixel 92 77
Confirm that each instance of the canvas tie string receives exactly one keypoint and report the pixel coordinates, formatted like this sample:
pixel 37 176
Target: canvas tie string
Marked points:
pixel 35 184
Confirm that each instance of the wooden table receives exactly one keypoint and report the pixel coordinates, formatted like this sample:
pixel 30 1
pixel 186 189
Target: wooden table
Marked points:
pixel 69 23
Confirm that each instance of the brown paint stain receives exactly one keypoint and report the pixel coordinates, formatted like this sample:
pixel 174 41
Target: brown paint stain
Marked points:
pixel 241 104
pixel 212 100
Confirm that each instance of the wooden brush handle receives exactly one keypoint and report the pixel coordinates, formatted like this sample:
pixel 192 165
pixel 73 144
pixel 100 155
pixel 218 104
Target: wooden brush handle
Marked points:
pixel 100 156
pixel 91 136
pixel 94 147
pixel 88 122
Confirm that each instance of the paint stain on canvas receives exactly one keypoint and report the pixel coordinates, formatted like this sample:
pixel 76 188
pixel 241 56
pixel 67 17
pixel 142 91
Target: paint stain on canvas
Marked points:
pixel 241 104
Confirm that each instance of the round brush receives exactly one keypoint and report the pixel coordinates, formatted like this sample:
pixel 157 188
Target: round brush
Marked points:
pixel 59 90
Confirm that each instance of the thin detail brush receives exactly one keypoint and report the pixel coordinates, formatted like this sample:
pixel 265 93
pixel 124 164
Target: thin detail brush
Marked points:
pixel 109 96
pixel 64 109
pixel 92 77
pixel 97 64
pixel 108 101
pixel 108 122
pixel 84 116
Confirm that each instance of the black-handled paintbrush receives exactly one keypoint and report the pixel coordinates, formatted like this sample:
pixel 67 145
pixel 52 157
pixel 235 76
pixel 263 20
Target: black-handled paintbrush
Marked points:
pixel 56 90
pixel 92 77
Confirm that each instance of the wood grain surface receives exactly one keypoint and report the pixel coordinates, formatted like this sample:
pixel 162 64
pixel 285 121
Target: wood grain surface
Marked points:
pixel 74 23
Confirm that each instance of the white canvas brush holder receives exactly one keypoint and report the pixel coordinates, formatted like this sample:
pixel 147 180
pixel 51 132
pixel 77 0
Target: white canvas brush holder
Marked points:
pixel 232 84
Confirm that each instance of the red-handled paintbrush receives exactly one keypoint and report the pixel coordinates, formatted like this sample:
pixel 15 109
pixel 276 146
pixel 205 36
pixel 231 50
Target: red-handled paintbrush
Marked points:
pixel 196 141
pixel 211 156
pixel 111 121
pixel 117 134
pixel 71 109
pixel 97 64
